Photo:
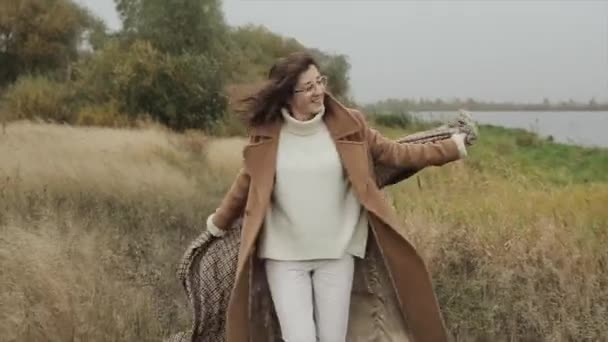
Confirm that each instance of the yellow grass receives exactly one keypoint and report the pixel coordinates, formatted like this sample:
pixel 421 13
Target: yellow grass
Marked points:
pixel 113 161
pixel 511 259
pixel 93 222
pixel 225 153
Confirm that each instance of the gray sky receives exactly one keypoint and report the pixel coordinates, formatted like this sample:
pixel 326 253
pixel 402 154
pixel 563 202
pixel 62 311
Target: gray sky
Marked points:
pixel 489 50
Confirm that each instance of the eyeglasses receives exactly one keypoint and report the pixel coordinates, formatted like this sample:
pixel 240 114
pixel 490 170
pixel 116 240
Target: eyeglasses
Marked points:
pixel 311 86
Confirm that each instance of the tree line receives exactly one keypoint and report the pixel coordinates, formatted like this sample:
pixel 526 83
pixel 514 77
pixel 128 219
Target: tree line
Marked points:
pixel 394 106
pixel 175 62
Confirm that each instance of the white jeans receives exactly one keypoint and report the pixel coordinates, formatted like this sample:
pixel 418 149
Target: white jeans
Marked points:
pixel 309 292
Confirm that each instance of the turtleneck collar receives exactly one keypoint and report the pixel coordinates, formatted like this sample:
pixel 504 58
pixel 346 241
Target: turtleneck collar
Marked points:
pixel 303 127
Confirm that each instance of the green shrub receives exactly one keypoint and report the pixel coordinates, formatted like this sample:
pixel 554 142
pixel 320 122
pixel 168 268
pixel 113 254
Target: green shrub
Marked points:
pixel 401 120
pixel 525 139
pixel 229 125
pixel 40 97
pixel 106 114
pixel 182 92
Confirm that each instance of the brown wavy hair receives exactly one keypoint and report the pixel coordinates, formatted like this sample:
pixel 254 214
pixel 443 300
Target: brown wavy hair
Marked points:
pixel 265 105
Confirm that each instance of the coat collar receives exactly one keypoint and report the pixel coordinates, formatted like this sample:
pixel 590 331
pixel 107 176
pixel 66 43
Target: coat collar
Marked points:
pixel 339 120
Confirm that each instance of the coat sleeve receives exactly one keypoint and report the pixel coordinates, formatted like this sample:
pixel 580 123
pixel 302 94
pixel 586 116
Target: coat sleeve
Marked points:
pixel 410 155
pixel 231 206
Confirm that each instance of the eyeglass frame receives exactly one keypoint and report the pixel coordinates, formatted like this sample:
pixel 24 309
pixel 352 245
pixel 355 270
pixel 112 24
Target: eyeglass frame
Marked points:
pixel 320 81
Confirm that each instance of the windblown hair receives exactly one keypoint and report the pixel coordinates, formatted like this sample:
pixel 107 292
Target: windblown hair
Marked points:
pixel 265 105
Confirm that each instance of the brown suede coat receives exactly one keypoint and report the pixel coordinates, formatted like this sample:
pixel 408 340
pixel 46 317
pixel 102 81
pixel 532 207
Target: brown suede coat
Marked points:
pixel 359 147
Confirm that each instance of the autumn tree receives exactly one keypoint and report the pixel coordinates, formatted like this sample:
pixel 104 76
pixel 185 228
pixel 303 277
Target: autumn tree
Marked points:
pixel 175 27
pixel 254 48
pixel 166 63
pixel 40 36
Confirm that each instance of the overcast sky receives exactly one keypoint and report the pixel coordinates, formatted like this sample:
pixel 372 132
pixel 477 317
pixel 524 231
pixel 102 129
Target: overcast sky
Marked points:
pixel 489 50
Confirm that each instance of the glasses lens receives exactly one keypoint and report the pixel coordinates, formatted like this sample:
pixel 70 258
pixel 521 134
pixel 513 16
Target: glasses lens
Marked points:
pixel 323 81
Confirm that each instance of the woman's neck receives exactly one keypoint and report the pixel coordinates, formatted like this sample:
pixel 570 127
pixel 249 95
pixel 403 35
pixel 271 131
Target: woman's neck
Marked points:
pixel 300 117
pixel 302 127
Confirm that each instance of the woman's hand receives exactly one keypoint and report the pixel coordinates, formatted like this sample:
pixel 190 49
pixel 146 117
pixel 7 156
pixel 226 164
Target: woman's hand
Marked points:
pixel 468 126
pixel 460 140
pixel 231 206
pixel 213 228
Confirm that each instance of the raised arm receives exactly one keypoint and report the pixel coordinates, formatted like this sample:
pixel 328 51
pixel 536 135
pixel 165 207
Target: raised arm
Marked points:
pixel 412 155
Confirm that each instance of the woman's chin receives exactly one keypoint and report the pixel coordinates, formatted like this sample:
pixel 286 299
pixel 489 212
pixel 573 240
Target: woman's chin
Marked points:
pixel 316 108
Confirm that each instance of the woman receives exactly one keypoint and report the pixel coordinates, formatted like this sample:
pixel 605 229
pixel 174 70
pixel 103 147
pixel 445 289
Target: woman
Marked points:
pixel 309 202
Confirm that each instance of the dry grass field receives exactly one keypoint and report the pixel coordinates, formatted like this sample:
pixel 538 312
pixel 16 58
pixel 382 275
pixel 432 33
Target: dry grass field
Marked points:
pixel 94 220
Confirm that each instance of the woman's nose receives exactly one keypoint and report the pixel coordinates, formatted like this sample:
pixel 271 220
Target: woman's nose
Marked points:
pixel 318 91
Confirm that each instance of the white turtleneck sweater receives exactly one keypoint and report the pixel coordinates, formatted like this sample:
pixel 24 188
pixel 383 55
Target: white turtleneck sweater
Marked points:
pixel 314 213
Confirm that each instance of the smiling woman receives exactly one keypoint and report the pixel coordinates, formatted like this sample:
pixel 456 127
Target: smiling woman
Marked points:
pixel 311 101
pixel 296 84
pixel 313 216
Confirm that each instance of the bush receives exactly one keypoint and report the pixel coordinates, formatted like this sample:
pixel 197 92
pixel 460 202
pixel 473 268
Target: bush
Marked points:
pixel 181 92
pixel 401 120
pixel 106 114
pixel 40 97
pixel 229 125
pixel 527 139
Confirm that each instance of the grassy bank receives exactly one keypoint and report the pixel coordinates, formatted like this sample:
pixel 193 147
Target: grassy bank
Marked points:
pixel 515 237
pixel 501 151
pixel 93 222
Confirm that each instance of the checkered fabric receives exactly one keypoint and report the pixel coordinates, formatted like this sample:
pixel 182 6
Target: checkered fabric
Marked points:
pixel 207 271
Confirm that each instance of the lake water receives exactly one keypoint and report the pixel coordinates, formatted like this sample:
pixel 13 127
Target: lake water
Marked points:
pixel 578 128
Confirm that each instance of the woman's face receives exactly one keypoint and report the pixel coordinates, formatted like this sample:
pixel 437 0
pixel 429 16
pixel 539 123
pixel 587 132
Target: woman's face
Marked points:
pixel 309 92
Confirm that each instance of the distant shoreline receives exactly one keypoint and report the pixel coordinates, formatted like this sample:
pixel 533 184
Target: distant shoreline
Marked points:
pixel 406 105
pixel 371 110
pixel 514 110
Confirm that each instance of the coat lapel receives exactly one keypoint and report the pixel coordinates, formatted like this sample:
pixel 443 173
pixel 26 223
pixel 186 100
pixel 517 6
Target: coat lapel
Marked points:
pixel 260 161
pixel 340 122
pixel 348 139
pixel 260 157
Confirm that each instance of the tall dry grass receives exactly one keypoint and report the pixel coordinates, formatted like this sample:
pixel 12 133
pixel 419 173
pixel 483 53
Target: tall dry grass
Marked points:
pixel 512 259
pixel 93 222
